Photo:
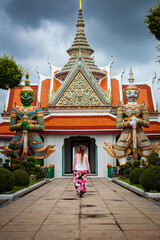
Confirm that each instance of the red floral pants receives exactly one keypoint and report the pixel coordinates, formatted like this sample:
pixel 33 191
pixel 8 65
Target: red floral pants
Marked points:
pixel 80 181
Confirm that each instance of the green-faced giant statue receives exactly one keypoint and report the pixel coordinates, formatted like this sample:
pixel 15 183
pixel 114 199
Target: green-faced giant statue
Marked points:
pixel 27 121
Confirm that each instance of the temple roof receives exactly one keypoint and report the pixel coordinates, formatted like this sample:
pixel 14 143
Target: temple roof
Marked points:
pixel 80 47
pixel 145 93
pixel 93 123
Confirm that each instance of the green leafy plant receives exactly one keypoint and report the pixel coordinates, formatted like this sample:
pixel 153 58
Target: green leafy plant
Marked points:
pixel 31 159
pixel 127 168
pixel 10 73
pixel 153 159
pixel 13 146
pixel 135 175
pixel 150 178
pixel 6 180
pixel 121 170
pixel 153 23
pixel 21 177
pixel 39 172
pixel 153 20
pixel 136 164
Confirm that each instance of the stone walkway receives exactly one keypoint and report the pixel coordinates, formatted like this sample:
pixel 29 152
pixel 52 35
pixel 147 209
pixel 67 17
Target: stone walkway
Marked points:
pixel 55 212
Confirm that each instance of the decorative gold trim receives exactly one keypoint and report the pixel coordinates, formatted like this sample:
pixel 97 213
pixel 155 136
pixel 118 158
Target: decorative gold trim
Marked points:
pixel 120 148
pixel 40 149
pixel 139 138
pixel 31 139
pixel 147 148
pixel 39 157
pixel 128 138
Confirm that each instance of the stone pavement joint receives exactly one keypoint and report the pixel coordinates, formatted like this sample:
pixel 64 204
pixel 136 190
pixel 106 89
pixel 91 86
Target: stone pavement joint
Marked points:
pixel 54 211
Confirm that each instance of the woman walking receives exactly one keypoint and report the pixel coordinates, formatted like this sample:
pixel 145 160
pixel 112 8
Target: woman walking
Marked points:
pixel 80 167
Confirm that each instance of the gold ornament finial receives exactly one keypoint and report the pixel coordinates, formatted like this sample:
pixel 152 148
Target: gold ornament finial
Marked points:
pixel 131 79
pixel 27 81
pixel 80 5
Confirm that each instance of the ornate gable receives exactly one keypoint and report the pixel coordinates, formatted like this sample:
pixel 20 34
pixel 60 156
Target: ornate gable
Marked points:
pixel 79 92
pixel 80 88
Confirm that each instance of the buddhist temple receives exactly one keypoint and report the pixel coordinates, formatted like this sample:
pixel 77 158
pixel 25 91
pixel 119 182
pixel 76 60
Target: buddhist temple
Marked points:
pixel 79 103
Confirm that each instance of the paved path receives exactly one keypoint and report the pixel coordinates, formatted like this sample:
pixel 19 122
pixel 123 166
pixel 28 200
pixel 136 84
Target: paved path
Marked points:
pixel 55 212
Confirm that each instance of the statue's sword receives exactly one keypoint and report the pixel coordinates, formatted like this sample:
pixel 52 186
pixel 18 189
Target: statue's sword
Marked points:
pixel 24 139
pixel 134 132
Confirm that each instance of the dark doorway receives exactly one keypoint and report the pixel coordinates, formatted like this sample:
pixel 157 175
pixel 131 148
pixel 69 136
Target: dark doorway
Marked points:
pixel 70 148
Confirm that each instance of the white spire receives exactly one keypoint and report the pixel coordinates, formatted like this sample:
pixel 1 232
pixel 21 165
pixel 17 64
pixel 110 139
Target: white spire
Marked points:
pixel 108 70
pixel 119 78
pixel 53 69
pixel 152 82
pixel 40 79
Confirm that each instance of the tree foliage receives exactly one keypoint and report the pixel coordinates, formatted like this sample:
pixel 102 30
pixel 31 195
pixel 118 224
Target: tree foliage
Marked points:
pixel 153 20
pixel 153 23
pixel 10 73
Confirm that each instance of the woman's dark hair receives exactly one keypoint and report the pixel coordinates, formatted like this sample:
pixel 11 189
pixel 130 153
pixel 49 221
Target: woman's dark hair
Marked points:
pixel 81 150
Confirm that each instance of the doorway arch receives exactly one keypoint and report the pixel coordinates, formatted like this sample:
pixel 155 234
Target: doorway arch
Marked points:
pixel 70 148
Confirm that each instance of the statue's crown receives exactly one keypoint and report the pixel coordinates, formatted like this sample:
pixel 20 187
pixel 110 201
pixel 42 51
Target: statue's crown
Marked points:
pixel 27 88
pixel 131 86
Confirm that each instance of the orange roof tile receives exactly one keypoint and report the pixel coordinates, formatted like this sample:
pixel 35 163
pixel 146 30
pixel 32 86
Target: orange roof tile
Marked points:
pixel 4 129
pixel 80 123
pixel 154 128
pixel 104 84
pixel 57 85
pixel 115 92
pixel 45 87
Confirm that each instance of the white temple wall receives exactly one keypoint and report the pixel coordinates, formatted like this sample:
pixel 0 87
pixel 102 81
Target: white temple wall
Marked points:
pixel 103 156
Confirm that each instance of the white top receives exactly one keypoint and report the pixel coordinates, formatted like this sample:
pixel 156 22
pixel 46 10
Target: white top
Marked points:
pixel 79 166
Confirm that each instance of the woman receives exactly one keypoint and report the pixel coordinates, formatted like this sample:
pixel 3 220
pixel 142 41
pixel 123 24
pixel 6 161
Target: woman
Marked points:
pixel 80 167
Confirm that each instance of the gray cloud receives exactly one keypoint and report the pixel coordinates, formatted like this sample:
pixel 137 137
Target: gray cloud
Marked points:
pixel 32 12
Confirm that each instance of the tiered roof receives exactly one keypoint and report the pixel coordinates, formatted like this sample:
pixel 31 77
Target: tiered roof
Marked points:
pixel 80 47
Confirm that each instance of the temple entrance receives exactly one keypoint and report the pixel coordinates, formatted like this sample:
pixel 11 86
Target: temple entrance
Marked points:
pixel 70 148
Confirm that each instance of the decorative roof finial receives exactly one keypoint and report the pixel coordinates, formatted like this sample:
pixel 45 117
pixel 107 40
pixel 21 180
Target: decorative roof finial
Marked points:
pixel 131 79
pixel 27 74
pixel 27 81
pixel 80 5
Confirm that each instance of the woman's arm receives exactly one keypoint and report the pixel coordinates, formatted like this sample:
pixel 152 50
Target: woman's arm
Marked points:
pixel 89 171
pixel 74 164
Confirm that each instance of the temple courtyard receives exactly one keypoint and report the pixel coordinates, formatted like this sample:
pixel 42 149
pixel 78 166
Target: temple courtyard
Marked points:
pixel 54 211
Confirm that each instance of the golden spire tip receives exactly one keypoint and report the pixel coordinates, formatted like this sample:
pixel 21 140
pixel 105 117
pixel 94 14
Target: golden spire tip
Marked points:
pixel 80 5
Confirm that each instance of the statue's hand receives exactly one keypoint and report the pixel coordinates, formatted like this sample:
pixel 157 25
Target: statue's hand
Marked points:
pixel 134 121
pixel 25 125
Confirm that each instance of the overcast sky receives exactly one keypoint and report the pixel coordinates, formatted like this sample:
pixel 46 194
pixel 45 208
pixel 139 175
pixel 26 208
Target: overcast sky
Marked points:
pixel 35 30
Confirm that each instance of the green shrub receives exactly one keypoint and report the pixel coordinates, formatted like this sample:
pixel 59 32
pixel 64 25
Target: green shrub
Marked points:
pixel 13 146
pixel 127 172
pixel 127 168
pixel 6 165
pixel 127 165
pixel 6 180
pixel 39 172
pixel 21 177
pixel 31 159
pixel 136 163
pixel 27 166
pixel 135 175
pixel 15 161
pixel 150 179
pixel 153 159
